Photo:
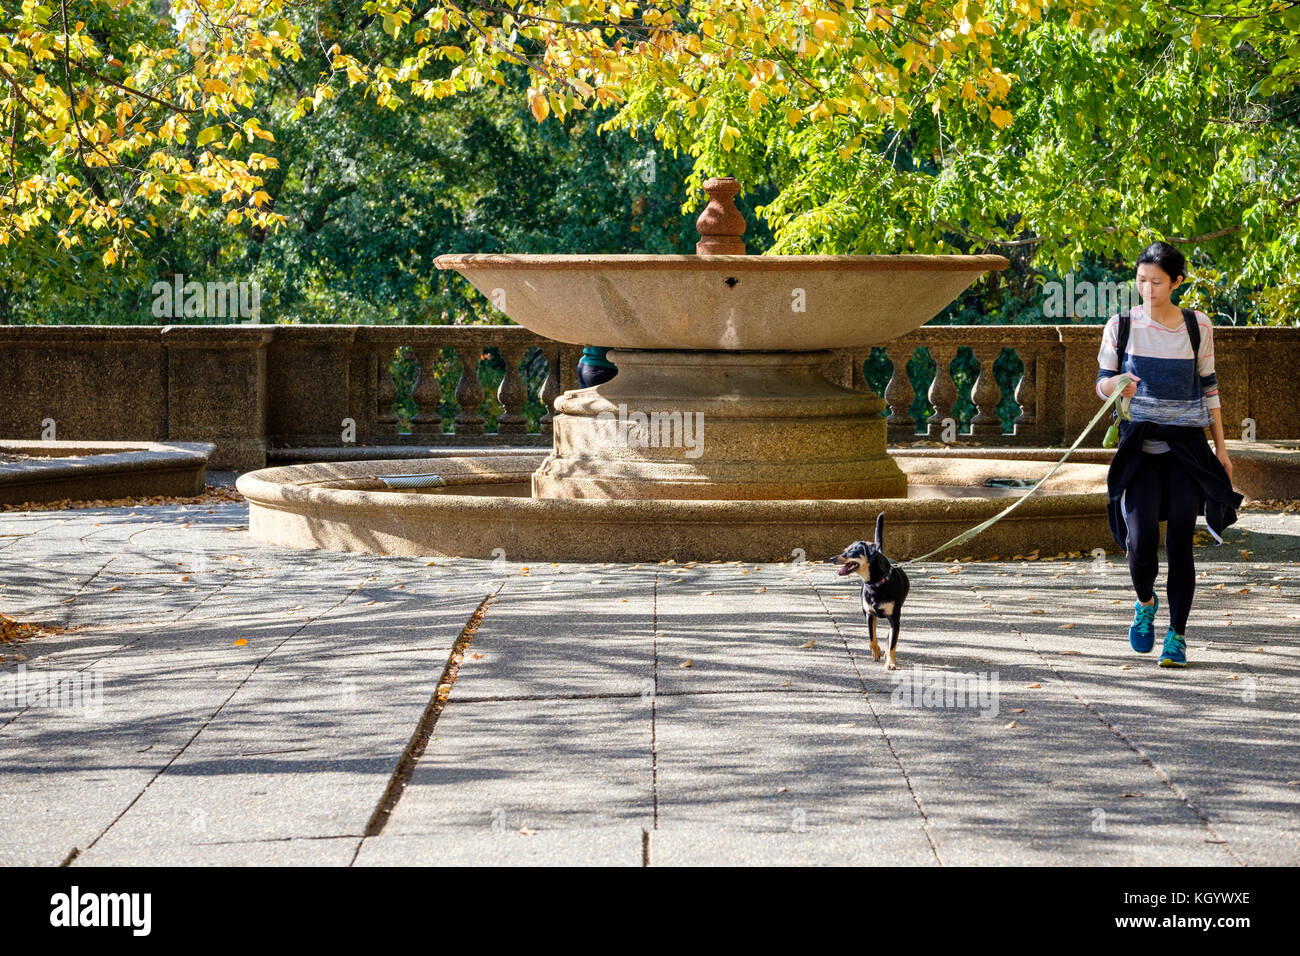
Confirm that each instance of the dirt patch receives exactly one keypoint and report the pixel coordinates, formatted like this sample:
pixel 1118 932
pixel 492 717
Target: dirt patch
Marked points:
pixel 1271 504
pixel 212 494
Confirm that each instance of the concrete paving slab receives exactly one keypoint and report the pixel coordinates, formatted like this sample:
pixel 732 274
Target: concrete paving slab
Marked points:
pixel 576 637
pixel 571 764
pixel 898 844
pixel 314 851
pixel 598 846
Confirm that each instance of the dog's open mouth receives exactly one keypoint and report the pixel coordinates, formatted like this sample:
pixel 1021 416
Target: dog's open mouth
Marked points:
pixel 848 567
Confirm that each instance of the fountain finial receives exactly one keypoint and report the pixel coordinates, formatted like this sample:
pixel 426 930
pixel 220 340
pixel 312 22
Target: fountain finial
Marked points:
pixel 721 225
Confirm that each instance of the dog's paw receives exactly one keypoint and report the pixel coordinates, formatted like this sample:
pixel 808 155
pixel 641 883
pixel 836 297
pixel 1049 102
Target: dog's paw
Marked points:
pixel 890 666
pixel 876 653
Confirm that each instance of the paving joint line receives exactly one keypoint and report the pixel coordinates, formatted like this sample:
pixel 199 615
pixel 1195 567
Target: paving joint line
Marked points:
pixel 121 647
pixel 215 714
pixel 654 716
pixel 630 695
pixel 1124 738
pixel 866 697
pixel 419 740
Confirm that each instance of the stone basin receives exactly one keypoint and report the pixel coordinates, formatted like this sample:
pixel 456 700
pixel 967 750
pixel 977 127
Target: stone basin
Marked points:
pixel 723 303
pixel 484 511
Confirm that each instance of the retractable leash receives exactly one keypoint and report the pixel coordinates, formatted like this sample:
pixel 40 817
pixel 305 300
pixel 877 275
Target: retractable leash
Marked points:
pixel 967 535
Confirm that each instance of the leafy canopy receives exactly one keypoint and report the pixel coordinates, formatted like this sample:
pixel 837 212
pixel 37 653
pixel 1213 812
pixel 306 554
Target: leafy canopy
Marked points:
pixel 1074 127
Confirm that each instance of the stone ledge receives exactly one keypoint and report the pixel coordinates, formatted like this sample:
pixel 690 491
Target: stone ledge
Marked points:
pixel 1260 469
pixel 85 471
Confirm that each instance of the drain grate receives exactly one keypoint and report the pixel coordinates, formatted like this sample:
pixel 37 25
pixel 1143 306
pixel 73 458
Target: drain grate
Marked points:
pixel 412 481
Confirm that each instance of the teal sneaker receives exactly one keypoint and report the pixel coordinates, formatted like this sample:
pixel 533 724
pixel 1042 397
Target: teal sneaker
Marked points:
pixel 1175 652
pixel 1142 633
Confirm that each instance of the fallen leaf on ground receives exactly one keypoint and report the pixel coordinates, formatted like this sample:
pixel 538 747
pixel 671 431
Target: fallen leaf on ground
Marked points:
pixel 809 645
pixel 686 663
pixel 1011 726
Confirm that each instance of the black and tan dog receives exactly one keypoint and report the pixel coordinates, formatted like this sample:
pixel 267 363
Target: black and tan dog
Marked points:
pixel 884 587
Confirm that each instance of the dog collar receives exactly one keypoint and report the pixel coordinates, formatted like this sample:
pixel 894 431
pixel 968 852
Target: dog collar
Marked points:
pixel 883 579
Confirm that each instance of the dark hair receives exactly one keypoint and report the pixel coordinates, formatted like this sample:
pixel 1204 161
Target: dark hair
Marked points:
pixel 1166 257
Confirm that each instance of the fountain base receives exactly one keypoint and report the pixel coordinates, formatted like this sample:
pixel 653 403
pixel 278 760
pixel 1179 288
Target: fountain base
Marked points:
pixel 719 425
pixel 484 511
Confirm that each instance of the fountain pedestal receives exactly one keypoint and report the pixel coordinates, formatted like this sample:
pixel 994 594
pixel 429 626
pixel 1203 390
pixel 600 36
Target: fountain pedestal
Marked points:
pixel 728 425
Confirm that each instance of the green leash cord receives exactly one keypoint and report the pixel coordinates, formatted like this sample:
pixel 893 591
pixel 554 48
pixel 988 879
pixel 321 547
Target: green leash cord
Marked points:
pixel 967 535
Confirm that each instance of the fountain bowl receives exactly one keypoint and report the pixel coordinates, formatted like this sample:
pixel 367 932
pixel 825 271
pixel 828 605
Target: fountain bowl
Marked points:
pixel 723 303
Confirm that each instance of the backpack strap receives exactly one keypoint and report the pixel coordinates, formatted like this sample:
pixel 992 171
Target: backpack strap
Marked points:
pixel 1193 333
pixel 1121 340
pixel 1121 343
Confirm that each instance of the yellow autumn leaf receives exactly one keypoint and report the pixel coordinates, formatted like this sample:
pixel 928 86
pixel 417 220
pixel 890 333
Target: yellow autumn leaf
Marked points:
pixel 1001 118
pixel 537 103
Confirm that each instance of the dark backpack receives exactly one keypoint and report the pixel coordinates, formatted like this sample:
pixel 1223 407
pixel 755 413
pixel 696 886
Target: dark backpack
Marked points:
pixel 1121 343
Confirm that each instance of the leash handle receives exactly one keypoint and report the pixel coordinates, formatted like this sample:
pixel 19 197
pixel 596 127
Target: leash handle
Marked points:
pixel 967 535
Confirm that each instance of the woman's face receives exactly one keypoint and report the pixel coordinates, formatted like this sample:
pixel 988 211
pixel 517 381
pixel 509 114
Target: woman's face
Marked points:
pixel 1155 285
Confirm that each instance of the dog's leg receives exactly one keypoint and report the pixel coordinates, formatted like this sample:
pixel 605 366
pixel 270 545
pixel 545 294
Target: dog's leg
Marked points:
pixel 894 626
pixel 876 652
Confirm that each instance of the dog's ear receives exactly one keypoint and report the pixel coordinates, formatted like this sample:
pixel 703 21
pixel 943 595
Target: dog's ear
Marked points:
pixel 880 528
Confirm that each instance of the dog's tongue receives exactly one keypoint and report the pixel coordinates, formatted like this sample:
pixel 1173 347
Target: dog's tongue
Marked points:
pixel 845 569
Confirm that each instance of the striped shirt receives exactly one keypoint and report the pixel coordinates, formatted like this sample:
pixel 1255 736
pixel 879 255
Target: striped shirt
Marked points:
pixel 1175 387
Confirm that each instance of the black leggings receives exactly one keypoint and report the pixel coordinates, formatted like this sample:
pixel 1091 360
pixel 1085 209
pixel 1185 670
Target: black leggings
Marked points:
pixel 1160 476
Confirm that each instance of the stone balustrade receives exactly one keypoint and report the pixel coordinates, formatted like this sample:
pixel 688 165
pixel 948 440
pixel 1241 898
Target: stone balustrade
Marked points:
pixel 253 389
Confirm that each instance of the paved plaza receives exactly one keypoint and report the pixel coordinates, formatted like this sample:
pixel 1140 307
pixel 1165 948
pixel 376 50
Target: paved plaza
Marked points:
pixel 234 703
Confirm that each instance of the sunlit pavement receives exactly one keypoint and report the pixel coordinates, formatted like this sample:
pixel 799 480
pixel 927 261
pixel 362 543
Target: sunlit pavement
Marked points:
pixel 216 701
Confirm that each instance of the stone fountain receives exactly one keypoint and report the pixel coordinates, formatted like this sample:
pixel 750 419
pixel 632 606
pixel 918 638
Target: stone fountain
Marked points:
pixel 720 437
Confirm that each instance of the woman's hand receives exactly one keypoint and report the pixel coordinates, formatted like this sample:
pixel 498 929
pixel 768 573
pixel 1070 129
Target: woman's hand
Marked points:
pixel 1130 386
pixel 1222 455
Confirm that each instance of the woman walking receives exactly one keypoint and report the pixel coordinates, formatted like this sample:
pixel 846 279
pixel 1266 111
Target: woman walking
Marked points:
pixel 1163 469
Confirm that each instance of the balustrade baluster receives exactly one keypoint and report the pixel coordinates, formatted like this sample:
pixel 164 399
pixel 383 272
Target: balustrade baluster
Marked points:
pixel 512 393
pixel 986 395
pixel 550 387
pixel 469 392
pixel 428 393
pixel 1026 393
pixel 943 391
pixel 899 394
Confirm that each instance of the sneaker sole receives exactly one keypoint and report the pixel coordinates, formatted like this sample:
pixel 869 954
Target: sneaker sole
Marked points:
pixel 1165 662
